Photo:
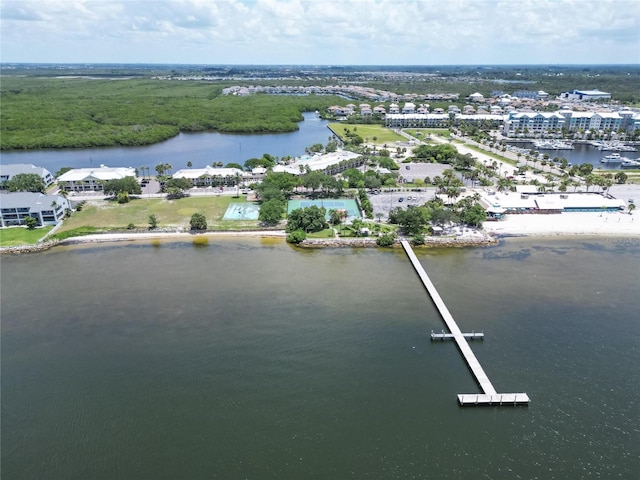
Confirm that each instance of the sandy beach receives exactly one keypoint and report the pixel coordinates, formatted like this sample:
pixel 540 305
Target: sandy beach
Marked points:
pixel 567 224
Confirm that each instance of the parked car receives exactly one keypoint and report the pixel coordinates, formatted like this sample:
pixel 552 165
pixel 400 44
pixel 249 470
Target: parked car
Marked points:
pixel 401 199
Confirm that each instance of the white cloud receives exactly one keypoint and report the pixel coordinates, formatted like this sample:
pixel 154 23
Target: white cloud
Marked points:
pixel 321 31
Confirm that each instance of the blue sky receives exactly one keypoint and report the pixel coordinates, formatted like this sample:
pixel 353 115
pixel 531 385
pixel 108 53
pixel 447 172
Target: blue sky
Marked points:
pixel 321 32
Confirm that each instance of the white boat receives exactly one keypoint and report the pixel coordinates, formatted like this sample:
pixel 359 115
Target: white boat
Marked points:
pixel 628 163
pixel 612 158
pixel 614 146
pixel 552 145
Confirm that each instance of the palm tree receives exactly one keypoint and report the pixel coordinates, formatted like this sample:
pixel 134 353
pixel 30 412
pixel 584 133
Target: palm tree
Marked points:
pixel 237 184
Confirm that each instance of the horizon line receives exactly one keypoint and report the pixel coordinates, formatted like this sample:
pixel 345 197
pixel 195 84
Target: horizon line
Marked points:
pixel 328 65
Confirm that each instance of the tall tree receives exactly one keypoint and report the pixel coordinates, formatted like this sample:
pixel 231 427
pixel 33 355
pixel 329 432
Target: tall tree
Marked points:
pixel 25 182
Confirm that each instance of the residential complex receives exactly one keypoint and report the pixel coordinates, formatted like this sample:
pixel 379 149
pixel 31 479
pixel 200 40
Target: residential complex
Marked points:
pixel 7 172
pixel 531 123
pixel 209 176
pixel 91 179
pixel 46 209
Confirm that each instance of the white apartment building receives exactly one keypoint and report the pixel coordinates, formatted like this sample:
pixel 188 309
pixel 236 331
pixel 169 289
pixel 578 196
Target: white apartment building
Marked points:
pixel 46 209
pixel 91 179
pixel 7 172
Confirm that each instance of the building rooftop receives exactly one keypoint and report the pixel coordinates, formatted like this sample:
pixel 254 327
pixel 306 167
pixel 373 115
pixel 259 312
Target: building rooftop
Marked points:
pixel 16 168
pixel 101 173
pixel 33 201
pixel 193 173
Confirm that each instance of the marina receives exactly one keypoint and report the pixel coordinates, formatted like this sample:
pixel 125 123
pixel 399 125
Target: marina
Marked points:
pixel 552 145
pixel 489 396
pixel 582 152
pixel 614 146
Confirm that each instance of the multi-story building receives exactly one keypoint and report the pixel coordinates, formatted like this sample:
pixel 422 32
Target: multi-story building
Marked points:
pixel 46 209
pixel 585 95
pixel 417 120
pixel 209 176
pixel 478 118
pixel 7 172
pixel 594 121
pixel 531 123
pixel 92 179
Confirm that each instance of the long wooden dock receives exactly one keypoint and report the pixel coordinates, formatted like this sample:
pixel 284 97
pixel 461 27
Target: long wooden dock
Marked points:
pixel 489 396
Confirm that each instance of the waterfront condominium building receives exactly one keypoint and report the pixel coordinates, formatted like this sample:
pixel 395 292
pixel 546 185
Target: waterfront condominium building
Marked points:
pixel 531 123
pixel 91 179
pixel 46 209
pixel 7 172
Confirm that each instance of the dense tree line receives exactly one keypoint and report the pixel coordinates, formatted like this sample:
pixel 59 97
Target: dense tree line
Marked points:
pixel 65 113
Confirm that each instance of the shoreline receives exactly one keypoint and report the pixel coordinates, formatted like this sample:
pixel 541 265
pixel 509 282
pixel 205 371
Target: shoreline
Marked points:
pixel 515 226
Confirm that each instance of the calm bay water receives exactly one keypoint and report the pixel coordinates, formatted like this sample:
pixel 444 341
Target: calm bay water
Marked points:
pixel 250 359
pixel 201 149
pixel 582 153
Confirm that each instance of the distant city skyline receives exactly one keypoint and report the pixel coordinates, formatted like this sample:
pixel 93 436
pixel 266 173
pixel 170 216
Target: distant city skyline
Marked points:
pixel 322 32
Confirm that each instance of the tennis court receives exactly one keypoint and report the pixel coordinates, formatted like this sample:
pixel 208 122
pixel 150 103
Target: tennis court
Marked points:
pixel 346 204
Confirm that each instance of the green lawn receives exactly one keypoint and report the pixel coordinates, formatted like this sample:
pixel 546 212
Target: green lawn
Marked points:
pixel 367 132
pixel 422 133
pixel 109 215
pixel 13 236
pixel 488 153
pixel 326 233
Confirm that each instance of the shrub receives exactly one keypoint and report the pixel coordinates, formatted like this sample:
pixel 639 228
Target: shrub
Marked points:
pixel 385 240
pixel 417 239
pixel 131 226
pixel 296 237
pixel 31 223
pixel 198 222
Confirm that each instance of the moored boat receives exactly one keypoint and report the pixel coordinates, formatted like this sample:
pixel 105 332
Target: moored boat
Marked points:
pixel 612 158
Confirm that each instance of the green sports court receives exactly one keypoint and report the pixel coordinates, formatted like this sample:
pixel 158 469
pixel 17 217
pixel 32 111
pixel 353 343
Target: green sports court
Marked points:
pixel 347 204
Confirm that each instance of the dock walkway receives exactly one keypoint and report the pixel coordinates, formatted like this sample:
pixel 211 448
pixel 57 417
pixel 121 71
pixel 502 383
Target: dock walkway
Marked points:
pixel 490 397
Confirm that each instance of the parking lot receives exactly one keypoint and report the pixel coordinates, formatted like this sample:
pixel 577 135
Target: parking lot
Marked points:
pixel 386 200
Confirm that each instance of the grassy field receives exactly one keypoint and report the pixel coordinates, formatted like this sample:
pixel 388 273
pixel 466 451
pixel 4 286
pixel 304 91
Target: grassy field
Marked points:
pixel 422 133
pixel 367 132
pixel 108 215
pixel 11 237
